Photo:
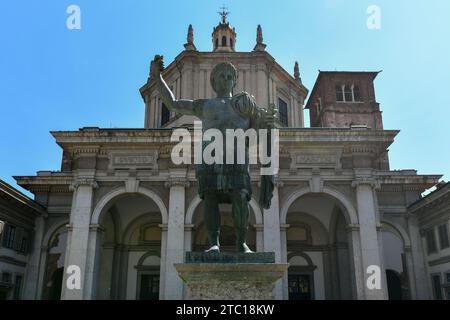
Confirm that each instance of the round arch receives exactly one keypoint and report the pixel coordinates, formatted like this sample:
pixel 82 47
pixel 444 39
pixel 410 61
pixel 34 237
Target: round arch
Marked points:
pixel 148 254
pixel 349 212
pixel 196 201
pixel 131 227
pixel 303 255
pixel 398 230
pixel 96 215
pixel 324 233
pixel 52 231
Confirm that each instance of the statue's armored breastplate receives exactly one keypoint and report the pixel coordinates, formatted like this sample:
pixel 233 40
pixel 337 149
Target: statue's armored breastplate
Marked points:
pixel 220 114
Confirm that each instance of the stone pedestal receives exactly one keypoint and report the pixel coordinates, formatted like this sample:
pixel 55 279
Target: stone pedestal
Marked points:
pixel 230 276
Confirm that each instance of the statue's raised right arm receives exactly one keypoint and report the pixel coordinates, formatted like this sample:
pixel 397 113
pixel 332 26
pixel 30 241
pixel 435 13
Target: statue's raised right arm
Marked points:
pixel 183 106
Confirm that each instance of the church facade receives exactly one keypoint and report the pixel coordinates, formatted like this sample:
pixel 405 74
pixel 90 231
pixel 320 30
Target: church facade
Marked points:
pixel 124 214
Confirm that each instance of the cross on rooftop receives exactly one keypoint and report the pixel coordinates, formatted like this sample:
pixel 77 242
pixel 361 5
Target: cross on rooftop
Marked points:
pixel 224 13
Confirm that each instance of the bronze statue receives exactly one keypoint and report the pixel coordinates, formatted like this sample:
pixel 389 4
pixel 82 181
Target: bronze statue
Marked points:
pixel 223 183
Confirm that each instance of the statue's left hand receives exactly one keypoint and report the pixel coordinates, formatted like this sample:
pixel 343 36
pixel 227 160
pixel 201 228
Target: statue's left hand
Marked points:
pixel 157 66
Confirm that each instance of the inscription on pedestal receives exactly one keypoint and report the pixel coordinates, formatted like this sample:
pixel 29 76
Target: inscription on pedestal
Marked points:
pixel 230 257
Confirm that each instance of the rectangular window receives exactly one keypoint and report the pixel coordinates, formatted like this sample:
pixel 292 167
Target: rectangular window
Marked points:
pixel 447 276
pixel 339 94
pixel 24 245
pixel 8 239
pixel 431 241
pixel 436 279
pixel 348 93
pixel 165 114
pixel 6 277
pixel 283 110
pixel 356 93
pixel 17 287
pixel 443 236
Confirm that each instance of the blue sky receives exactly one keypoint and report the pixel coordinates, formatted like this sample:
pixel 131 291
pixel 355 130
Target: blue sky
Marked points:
pixel 52 78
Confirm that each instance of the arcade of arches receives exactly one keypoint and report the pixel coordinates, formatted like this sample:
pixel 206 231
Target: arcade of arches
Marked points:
pixel 315 240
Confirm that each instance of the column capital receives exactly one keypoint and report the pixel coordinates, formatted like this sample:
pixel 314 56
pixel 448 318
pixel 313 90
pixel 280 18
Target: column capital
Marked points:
pixel 83 181
pixel 352 227
pixel 284 227
pixel 183 182
pixel 259 227
pixel 163 227
pixel 189 227
pixel 372 182
pixel 96 227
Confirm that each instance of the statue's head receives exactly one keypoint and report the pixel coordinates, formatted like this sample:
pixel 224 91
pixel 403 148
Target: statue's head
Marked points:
pixel 223 78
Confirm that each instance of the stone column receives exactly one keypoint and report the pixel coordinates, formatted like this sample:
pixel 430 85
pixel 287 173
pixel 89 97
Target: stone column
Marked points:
pixel 410 272
pixel 175 234
pixel 78 235
pixel 261 96
pixel 188 237
pixel 419 270
pixel 283 236
pixel 162 269
pixel 293 121
pixel 371 255
pixel 42 270
pixel 93 261
pixel 33 266
pixel 358 283
pixel 259 237
pixel 272 236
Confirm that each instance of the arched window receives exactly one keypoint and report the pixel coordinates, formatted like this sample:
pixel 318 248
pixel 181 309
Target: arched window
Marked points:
pixel 54 270
pixel 356 94
pixel 282 109
pixel 339 93
pixel 224 41
pixel 217 42
pixel 231 42
pixel 348 93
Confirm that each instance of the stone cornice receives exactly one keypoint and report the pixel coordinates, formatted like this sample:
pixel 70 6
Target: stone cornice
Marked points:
pixel 54 182
pixel 437 197
pixel 406 178
pixel 86 140
pixel 83 181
